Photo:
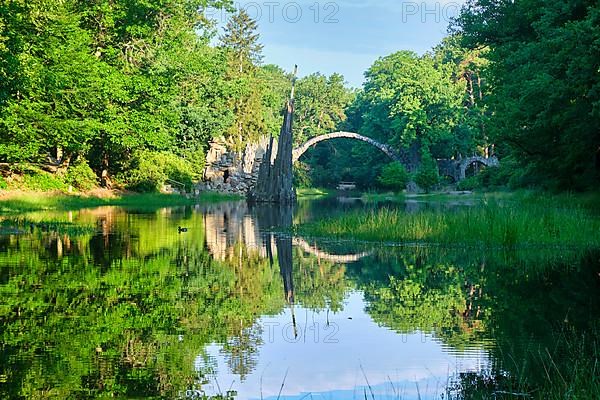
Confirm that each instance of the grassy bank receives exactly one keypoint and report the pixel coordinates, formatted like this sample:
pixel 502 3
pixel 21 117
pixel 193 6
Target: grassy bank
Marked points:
pixel 492 224
pixel 18 202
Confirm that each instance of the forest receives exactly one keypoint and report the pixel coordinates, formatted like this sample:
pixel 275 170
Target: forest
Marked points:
pixel 129 93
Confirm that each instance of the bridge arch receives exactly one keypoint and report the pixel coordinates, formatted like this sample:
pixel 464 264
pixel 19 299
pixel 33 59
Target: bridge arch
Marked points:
pixel 488 162
pixel 299 151
pixel 334 258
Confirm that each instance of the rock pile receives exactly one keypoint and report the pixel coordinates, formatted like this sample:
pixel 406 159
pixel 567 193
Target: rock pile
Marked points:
pixel 232 172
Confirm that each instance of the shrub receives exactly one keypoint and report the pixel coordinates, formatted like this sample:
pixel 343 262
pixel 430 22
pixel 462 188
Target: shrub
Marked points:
pixel 302 175
pixel 394 176
pixel 3 184
pixel 196 160
pixel 81 176
pixel 523 178
pixel 469 183
pixel 496 176
pixel 43 181
pixel 427 176
pixel 149 171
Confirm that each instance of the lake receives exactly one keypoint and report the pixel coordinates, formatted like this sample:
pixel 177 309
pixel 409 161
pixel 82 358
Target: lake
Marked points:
pixel 224 301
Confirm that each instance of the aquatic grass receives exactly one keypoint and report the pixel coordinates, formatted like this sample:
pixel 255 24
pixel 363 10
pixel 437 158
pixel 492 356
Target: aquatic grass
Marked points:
pixel 568 370
pixel 313 192
pixel 373 197
pixel 490 225
pixel 20 226
pixel 34 201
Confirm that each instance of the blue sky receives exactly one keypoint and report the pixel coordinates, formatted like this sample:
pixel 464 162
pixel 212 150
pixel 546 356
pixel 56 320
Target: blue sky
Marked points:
pixel 345 36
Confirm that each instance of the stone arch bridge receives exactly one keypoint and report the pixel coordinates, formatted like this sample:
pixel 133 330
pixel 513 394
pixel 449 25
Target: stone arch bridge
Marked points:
pixel 237 173
pixel 456 169
pixel 299 151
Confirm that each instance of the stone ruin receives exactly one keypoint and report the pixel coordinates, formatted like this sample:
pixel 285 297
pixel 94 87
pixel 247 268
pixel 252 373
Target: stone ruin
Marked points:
pixel 231 172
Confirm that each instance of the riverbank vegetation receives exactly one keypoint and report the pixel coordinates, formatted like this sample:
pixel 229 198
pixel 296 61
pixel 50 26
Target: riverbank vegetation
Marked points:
pixel 489 224
pixel 18 202
pixel 130 95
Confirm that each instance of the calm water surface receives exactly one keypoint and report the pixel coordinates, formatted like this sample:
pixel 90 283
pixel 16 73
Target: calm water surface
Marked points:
pixel 119 303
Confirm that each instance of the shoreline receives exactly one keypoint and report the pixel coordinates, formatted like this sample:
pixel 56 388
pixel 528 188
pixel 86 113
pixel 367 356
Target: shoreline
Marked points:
pixel 20 201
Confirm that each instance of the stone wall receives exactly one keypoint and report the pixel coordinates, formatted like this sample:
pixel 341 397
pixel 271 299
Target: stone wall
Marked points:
pixel 232 172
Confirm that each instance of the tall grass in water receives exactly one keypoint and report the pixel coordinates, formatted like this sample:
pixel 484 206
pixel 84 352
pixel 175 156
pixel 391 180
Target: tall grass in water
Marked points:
pixel 569 369
pixel 492 225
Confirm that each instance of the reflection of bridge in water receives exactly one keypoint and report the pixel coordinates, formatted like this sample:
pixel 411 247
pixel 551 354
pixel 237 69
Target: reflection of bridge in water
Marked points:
pixel 229 224
pixel 323 255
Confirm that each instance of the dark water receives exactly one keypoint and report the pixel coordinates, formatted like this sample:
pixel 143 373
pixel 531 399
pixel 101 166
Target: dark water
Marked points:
pixel 126 306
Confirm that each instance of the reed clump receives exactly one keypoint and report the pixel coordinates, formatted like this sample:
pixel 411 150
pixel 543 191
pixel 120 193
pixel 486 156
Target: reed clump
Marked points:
pixel 492 225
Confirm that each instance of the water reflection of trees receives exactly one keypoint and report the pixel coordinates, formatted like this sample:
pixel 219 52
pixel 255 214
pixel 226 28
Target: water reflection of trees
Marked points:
pixel 536 312
pixel 125 311
pixel 418 289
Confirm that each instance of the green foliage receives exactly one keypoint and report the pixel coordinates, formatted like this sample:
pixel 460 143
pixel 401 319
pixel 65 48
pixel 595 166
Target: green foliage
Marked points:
pixel 544 71
pixel 410 100
pixel 314 193
pixel 17 204
pixel 241 39
pixel 496 177
pixel 470 183
pixel 149 171
pixel 81 176
pixel 251 99
pixel 3 184
pixel 427 177
pixel 503 176
pixel 302 177
pixel 108 78
pixel 321 104
pixel 43 181
pixel 420 105
pixel 333 161
pixel 394 176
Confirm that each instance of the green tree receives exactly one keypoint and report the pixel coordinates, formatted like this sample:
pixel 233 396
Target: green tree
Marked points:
pixel 103 78
pixel 410 101
pixel 428 175
pixel 242 40
pixel 321 104
pixel 544 72
pixel 50 82
pixel 394 176
pixel 276 85
pixel 469 67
